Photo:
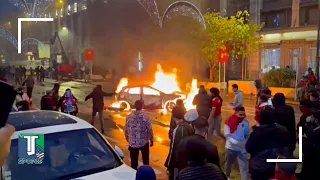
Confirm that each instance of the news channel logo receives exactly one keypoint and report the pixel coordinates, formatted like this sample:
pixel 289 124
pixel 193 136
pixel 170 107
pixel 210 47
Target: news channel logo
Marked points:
pixel 30 148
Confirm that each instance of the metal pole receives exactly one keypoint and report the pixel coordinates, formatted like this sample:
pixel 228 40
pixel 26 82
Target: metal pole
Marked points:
pixel 297 76
pixel 219 75
pixel 318 44
pixel 224 75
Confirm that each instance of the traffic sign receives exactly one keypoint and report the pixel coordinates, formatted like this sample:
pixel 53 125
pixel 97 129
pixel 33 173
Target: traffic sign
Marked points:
pixel 88 54
pixel 223 55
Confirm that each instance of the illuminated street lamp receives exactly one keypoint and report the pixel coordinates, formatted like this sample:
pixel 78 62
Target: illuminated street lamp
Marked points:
pixel 64 28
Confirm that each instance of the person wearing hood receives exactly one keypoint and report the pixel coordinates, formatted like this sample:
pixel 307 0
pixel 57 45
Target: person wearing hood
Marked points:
pixel 285 171
pixel 29 82
pixel 258 85
pixel 97 96
pixel 203 102
pixel 68 103
pixel 285 116
pixel 237 132
pixel 210 150
pixel 266 142
pixel 139 135
pixel 198 168
pixel 173 125
pixel 182 130
pixel 238 98
pixel 314 98
pixel 47 102
pixel 145 172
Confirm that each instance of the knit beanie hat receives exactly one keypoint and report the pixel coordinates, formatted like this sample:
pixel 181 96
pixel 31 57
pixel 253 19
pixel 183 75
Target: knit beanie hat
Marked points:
pixel 145 172
pixel 191 115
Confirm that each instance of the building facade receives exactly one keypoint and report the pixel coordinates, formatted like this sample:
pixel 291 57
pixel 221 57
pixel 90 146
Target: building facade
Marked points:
pixel 289 35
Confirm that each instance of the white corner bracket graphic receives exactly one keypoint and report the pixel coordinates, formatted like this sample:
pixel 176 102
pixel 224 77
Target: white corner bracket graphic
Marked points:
pixel 299 160
pixel 27 20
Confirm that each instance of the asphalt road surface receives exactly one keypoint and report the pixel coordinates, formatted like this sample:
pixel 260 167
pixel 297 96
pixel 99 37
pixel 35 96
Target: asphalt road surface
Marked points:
pixel 114 121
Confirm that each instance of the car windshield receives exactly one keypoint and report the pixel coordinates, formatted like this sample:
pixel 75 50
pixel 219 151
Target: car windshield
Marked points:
pixel 67 155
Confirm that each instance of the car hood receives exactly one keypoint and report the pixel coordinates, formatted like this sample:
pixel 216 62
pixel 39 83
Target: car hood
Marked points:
pixel 122 172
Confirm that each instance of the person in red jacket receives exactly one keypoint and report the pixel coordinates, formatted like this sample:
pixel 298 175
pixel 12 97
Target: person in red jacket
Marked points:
pixel 262 103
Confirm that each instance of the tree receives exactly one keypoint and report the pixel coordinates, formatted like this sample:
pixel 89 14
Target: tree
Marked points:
pixel 239 33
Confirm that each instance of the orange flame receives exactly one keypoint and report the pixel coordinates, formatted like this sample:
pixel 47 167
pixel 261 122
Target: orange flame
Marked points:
pixel 123 82
pixel 193 92
pixel 166 82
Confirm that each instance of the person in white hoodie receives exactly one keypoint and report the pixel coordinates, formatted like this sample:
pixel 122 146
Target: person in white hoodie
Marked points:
pixel 237 131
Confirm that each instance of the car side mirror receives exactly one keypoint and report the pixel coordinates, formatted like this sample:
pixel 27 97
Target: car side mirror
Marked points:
pixel 119 152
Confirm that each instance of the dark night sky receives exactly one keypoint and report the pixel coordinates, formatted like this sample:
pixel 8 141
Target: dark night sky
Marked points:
pixel 6 10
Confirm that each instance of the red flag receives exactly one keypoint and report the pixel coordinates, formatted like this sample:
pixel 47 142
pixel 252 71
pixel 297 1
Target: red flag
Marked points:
pixel 89 54
pixel 223 55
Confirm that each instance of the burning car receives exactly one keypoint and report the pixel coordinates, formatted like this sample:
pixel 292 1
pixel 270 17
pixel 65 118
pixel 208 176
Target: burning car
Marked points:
pixel 152 98
pixel 161 94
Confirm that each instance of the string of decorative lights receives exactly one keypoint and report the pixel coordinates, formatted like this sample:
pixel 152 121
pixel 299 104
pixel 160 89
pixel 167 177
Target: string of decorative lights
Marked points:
pixel 31 41
pixel 37 6
pixel 8 36
pixel 182 8
pixel 151 7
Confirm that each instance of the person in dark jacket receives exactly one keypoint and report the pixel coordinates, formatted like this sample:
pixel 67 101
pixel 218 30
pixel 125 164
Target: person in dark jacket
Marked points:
pixel 182 130
pixel 265 142
pixel 29 82
pixel 55 93
pixel 258 85
pixel 97 96
pixel 211 151
pixel 203 102
pixel 198 168
pixel 284 115
pixel 314 98
pixel 47 102
pixel 173 125
pixel 311 151
pixel 306 110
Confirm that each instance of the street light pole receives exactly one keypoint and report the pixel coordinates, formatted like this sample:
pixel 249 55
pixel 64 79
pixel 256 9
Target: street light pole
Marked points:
pixel 318 43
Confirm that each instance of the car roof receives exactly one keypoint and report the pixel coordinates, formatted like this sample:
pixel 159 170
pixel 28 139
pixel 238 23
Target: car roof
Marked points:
pixel 44 122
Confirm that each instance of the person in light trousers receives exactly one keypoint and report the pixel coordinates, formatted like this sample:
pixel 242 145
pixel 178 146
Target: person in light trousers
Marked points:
pixel 237 131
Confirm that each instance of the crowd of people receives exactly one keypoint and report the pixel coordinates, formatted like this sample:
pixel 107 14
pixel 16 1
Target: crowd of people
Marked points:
pixel 193 154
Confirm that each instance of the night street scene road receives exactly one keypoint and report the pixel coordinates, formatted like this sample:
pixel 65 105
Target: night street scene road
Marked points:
pixel 159 89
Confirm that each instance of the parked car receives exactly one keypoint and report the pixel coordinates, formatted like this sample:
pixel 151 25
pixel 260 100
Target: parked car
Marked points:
pixel 152 97
pixel 71 149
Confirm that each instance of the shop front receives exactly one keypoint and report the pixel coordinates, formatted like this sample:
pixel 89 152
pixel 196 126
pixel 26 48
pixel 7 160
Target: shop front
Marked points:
pixel 294 48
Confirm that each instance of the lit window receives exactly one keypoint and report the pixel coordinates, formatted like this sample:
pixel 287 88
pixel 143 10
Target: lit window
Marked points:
pixel 56 13
pixel 69 9
pixel 312 56
pixel 149 91
pixel 75 7
pixel 61 12
pixel 270 58
pixel 276 21
pixel 49 15
pixel 136 90
pixel 84 7
pixel 45 15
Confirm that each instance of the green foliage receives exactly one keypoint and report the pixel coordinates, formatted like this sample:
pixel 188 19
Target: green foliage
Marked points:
pixel 236 31
pixel 282 77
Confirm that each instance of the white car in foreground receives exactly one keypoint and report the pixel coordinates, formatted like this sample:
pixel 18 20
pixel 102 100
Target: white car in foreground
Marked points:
pixel 73 149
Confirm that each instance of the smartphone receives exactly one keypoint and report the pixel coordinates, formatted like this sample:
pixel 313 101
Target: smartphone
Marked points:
pixel 7 96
